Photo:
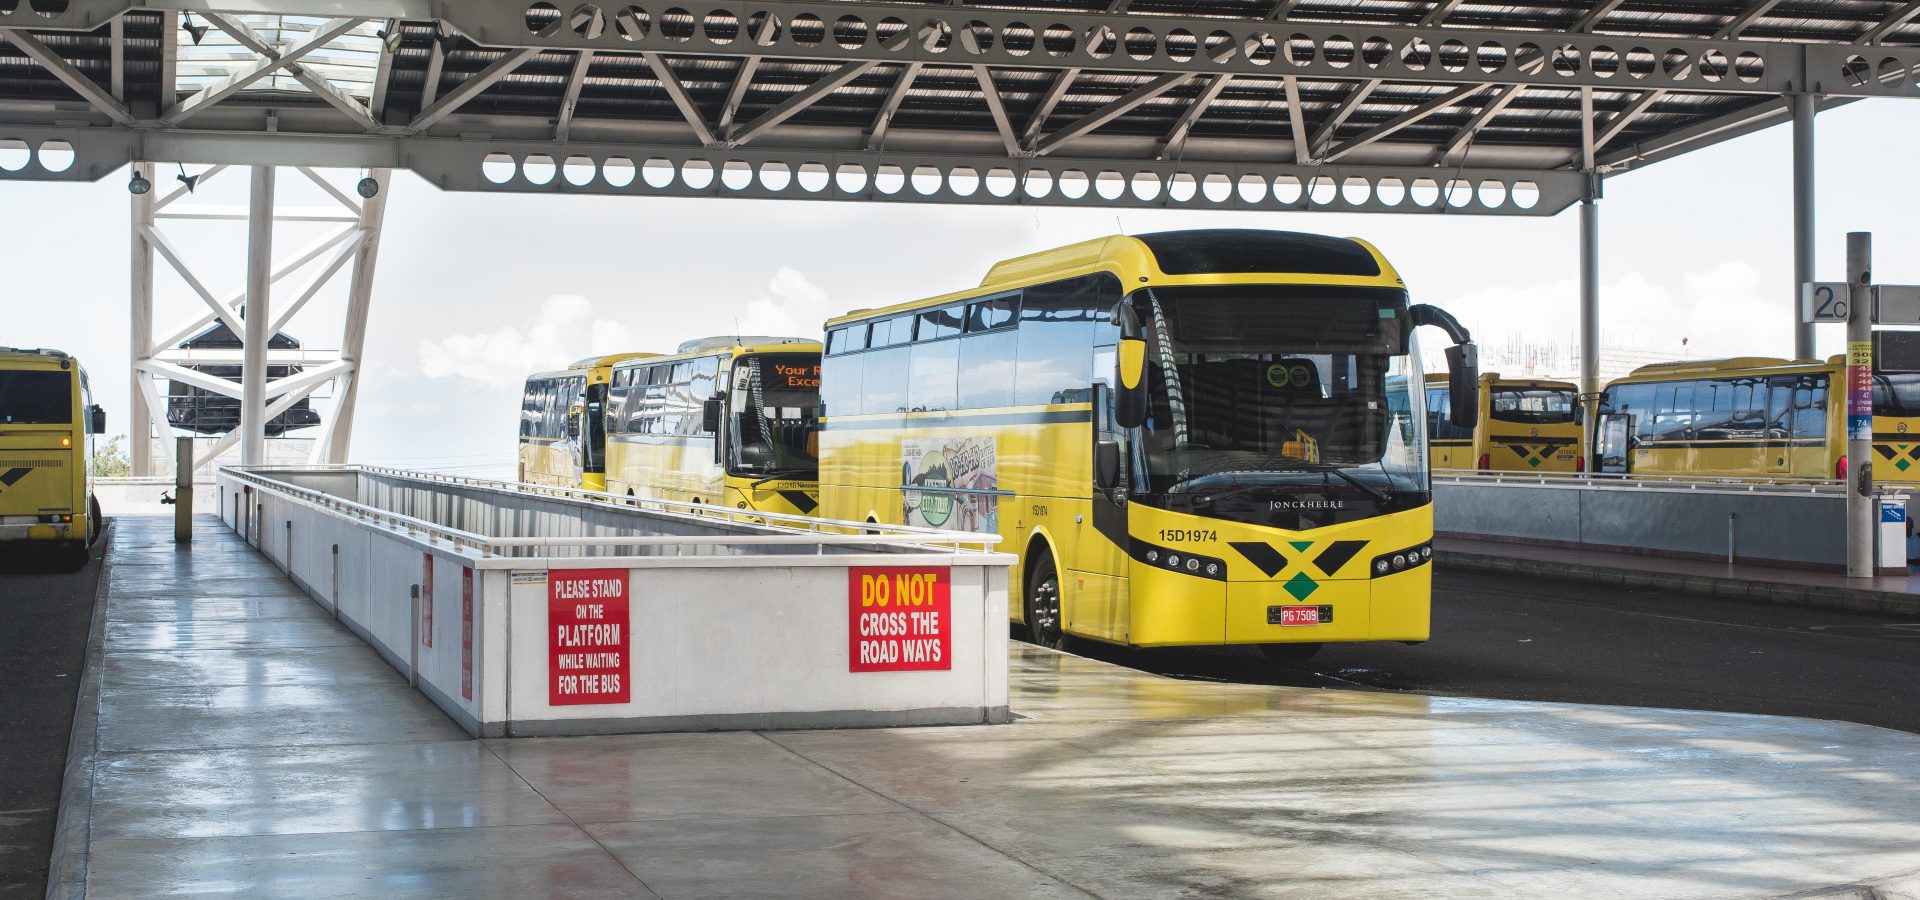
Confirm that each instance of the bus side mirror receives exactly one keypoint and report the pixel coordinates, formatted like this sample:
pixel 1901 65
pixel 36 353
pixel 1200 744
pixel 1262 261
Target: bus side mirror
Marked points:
pixel 1463 385
pixel 573 421
pixel 97 419
pixel 1130 370
pixel 1106 465
pixel 710 416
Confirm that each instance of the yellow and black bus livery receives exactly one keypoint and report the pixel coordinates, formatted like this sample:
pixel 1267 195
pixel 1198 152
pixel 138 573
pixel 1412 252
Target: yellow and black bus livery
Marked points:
pixel 563 437
pixel 48 425
pixel 1186 438
pixel 725 420
pixel 1524 425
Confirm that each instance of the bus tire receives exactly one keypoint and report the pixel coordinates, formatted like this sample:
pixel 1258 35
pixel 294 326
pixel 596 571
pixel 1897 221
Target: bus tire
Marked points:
pixel 95 524
pixel 1290 653
pixel 1043 603
pixel 74 556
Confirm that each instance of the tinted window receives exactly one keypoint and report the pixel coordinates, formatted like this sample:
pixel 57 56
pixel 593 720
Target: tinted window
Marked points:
pixel 837 340
pixel 1243 250
pixel 1055 360
pixel 1810 407
pixel 934 376
pixel 939 323
pixel 892 332
pixel 1538 406
pixel 36 398
pixel 1672 410
pixel 840 385
pixel 1896 394
pixel 1780 406
pixel 885 381
pixel 986 369
pixel 986 315
pixel 1633 400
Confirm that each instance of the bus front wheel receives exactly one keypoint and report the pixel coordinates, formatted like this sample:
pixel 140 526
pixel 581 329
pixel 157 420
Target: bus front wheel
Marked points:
pixel 1043 605
pixel 1290 653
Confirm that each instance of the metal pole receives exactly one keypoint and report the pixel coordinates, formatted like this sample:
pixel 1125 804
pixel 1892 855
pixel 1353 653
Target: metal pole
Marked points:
pixel 1859 406
pixel 1589 303
pixel 253 373
pixel 373 212
pixel 140 327
pixel 1803 213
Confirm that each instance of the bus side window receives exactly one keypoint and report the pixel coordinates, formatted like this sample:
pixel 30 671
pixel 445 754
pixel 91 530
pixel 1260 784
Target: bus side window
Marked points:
pixel 1055 359
pixel 884 378
pixel 1810 407
pixel 840 390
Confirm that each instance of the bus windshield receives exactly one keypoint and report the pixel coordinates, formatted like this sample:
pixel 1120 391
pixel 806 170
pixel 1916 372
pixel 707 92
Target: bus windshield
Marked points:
pixel 1282 390
pixel 1531 405
pixel 36 398
pixel 775 410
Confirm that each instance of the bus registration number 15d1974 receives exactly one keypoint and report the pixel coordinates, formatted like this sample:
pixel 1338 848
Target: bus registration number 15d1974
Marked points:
pixel 1175 535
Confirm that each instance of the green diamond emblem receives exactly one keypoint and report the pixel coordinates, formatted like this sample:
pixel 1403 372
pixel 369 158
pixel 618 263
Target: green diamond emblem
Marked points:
pixel 1533 460
pixel 1300 545
pixel 1902 465
pixel 1301 587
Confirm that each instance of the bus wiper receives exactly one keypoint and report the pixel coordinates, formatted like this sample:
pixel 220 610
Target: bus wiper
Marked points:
pixel 1346 476
pixel 778 474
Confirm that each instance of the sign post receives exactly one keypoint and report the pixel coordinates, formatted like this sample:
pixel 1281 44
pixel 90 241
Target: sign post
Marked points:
pixel 1860 519
pixel 183 490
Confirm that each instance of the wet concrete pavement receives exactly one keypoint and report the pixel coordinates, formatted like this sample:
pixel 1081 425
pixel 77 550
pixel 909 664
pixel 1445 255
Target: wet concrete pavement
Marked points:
pixel 244 748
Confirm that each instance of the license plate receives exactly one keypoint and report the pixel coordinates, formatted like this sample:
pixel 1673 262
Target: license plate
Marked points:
pixel 1299 615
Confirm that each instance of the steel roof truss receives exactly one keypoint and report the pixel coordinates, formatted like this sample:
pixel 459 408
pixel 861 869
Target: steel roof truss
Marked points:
pixel 997 109
pixel 320 87
pixel 877 133
pixel 1114 110
pixel 1296 121
pixel 1455 146
pixel 1323 135
pixel 670 82
pixel 1176 138
pixel 1625 117
pixel 1747 17
pixel 1405 119
pixel 1894 20
pixel 469 89
pixel 262 66
pixel 99 98
pixel 576 78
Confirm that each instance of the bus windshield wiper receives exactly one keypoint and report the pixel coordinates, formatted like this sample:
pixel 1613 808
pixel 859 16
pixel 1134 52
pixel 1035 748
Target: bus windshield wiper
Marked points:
pixel 778 474
pixel 1346 476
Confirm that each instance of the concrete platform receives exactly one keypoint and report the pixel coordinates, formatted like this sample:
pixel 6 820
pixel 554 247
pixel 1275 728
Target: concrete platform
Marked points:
pixel 243 748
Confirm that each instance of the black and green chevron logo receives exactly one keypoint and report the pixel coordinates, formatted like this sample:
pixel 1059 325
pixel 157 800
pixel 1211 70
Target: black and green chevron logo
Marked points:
pixel 12 476
pixel 1272 560
pixel 1903 456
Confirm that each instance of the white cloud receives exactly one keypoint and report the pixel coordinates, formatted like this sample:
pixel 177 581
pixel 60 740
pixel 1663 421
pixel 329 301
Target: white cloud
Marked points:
pixel 793 307
pixel 562 331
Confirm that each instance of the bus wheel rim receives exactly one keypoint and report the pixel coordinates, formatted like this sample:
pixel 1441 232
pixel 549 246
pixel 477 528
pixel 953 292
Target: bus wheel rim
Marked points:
pixel 1046 607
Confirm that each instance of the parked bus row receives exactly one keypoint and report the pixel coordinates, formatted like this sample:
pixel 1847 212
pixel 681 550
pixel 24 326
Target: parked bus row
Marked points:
pixel 1188 438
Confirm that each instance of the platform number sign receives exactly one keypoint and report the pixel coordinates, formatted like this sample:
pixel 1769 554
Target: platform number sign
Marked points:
pixel 1823 301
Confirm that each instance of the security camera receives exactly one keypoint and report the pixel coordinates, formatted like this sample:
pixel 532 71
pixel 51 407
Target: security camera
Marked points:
pixel 368 187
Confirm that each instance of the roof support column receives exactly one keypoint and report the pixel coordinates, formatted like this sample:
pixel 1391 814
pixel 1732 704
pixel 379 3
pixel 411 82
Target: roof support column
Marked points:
pixel 253 371
pixel 140 328
pixel 339 434
pixel 1590 298
pixel 1803 217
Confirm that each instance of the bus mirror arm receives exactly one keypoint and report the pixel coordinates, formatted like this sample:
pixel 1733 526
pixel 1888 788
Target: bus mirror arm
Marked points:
pixel 1130 370
pixel 1463 363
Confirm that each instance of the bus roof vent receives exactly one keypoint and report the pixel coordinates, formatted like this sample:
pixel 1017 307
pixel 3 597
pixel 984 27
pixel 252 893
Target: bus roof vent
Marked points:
pixel 36 351
pixel 1241 251
pixel 735 340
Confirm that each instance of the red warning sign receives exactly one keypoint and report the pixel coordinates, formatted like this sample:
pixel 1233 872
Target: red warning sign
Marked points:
pixel 587 639
pixel 899 618
pixel 426 599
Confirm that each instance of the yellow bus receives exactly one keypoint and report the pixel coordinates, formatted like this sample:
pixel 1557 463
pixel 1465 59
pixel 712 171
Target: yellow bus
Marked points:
pixel 1752 417
pixel 48 422
pixel 728 420
pixel 1525 425
pixel 563 439
pixel 1187 438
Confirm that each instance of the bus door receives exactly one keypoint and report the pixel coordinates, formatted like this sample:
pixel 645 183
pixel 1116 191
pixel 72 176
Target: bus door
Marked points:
pixel 1095 583
pixel 1779 451
pixel 1611 454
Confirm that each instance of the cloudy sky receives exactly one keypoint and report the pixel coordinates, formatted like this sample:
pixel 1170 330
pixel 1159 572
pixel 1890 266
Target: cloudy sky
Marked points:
pixel 475 291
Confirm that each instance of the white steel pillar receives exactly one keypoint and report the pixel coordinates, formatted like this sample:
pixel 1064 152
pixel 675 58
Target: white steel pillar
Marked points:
pixel 140 329
pixel 1803 218
pixel 258 319
pixel 373 213
pixel 1590 301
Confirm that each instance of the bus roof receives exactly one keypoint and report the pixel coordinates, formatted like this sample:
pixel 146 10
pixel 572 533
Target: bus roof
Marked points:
pixel 1691 368
pixel 1489 378
pixel 1198 256
pixel 715 345
pixel 595 362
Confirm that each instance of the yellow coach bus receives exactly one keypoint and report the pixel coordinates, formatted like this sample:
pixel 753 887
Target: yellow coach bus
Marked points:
pixel 1752 417
pixel 1187 438
pixel 563 438
pixel 48 422
pixel 728 420
pixel 1525 425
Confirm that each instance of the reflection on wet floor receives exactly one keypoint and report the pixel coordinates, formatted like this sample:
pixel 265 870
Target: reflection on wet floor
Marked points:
pixel 246 750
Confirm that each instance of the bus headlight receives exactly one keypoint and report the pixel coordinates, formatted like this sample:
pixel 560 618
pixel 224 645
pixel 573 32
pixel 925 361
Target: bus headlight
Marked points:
pixel 1173 560
pixel 1153 556
pixel 1380 566
pixel 1193 565
pixel 1399 561
pixel 1426 552
pixel 1402 560
pixel 1198 564
pixel 1213 568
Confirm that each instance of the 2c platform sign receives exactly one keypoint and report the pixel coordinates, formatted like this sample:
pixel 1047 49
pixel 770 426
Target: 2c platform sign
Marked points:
pixel 899 618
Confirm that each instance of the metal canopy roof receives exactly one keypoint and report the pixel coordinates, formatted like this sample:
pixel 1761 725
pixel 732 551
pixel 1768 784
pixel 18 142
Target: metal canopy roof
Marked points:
pixel 1399 105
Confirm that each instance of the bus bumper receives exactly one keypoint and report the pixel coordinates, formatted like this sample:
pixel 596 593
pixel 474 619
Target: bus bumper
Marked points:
pixel 36 531
pixel 1172 609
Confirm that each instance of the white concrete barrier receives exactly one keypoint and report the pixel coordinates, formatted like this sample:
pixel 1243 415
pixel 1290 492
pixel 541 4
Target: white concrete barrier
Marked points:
pixel 660 620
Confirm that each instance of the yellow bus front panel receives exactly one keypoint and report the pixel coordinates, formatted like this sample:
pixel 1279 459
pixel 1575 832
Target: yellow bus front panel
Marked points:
pixel 1179 598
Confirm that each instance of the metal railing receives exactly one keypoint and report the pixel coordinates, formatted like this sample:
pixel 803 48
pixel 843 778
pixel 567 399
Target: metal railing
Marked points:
pixel 1612 481
pixel 799 531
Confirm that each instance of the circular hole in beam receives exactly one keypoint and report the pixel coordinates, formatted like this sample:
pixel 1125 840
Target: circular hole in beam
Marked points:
pixel 56 156
pixel 617 171
pixel 850 178
pixel 579 171
pixel 538 169
pixel 657 173
pixel 697 174
pixel 498 168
